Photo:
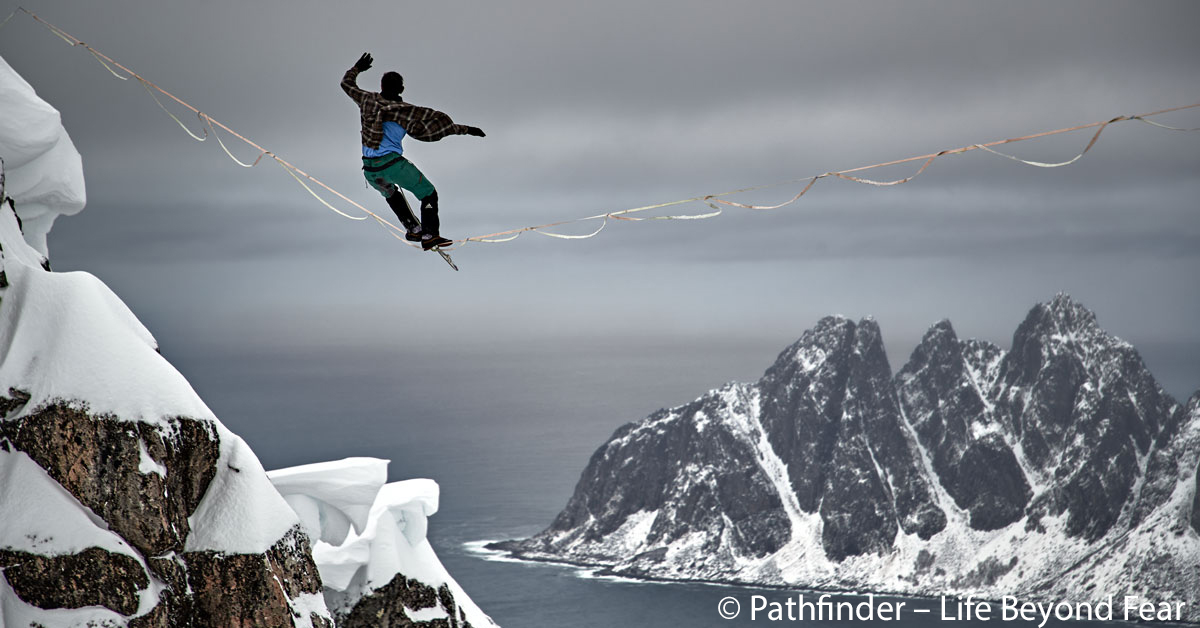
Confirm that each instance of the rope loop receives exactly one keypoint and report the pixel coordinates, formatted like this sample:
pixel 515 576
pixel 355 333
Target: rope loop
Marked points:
pixel 209 127
pixel 199 138
pixel 1163 126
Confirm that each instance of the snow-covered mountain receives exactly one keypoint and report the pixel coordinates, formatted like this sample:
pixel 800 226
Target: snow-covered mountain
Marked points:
pixel 1057 471
pixel 124 501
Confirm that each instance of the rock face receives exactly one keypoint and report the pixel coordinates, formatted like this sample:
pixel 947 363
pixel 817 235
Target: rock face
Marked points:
pixel 252 589
pixel 735 501
pixel 396 602
pixel 1084 409
pixel 832 417
pixel 943 389
pixel 93 577
pixel 97 459
pixel 1056 470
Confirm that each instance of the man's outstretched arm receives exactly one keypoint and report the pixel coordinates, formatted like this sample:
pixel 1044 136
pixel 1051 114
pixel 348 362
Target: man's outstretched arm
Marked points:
pixel 425 124
pixel 350 78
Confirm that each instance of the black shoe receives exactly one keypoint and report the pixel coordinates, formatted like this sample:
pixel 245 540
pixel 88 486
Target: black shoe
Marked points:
pixel 413 236
pixel 430 241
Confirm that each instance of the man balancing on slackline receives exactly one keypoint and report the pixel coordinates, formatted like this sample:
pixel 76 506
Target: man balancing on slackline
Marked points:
pixel 386 119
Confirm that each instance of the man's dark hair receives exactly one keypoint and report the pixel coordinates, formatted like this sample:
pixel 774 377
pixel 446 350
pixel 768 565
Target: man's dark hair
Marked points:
pixel 392 84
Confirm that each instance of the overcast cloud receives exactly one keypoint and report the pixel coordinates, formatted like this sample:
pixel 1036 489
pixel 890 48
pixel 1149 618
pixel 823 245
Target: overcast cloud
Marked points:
pixel 593 107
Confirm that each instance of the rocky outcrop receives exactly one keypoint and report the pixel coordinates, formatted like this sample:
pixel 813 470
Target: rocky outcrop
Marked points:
pixel 395 603
pixel 253 589
pixel 833 418
pixel 143 483
pixel 1055 470
pixel 93 577
pixel 1085 410
pixel 690 477
pixel 144 480
pixel 943 389
pixel 838 446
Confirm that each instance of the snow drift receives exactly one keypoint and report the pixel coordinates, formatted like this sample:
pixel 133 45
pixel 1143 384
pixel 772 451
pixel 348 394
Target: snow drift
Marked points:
pixel 45 172
pixel 371 538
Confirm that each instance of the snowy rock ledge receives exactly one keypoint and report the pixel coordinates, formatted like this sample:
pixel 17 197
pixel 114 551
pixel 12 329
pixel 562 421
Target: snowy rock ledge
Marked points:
pixel 375 562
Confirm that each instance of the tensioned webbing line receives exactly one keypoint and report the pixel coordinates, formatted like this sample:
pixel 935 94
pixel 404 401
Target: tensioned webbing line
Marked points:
pixel 712 200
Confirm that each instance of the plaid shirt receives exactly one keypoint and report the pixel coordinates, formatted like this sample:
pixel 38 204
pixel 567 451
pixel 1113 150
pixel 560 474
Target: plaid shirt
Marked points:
pixel 421 123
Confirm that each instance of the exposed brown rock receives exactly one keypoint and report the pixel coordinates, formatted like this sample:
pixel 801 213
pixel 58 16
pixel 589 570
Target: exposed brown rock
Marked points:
pixel 100 460
pixel 387 606
pixel 16 399
pixel 97 459
pixel 174 609
pixel 93 577
pixel 245 590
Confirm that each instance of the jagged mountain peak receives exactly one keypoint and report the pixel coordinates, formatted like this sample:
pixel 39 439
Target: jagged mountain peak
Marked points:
pixel 1066 378
pixel 1062 322
pixel 940 329
pixel 868 336
pixel 1068 310
pixel 939 343
pixel 827 344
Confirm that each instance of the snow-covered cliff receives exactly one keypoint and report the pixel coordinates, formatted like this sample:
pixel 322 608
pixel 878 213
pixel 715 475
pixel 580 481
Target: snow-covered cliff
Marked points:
pixel 124 501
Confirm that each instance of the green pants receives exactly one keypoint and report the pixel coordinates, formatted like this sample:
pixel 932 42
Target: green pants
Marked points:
pixel 392 168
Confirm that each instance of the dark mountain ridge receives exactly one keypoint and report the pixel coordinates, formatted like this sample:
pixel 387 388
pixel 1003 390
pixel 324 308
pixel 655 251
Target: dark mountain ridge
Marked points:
pixel 1057 470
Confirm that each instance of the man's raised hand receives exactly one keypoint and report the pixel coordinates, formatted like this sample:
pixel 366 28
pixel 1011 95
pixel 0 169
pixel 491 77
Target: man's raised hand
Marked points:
pixel 364 62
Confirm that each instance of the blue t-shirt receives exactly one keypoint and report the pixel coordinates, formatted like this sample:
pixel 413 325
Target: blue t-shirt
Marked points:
pixel 393 133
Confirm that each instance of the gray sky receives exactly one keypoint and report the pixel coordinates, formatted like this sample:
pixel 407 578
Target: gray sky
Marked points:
pixel 593 107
